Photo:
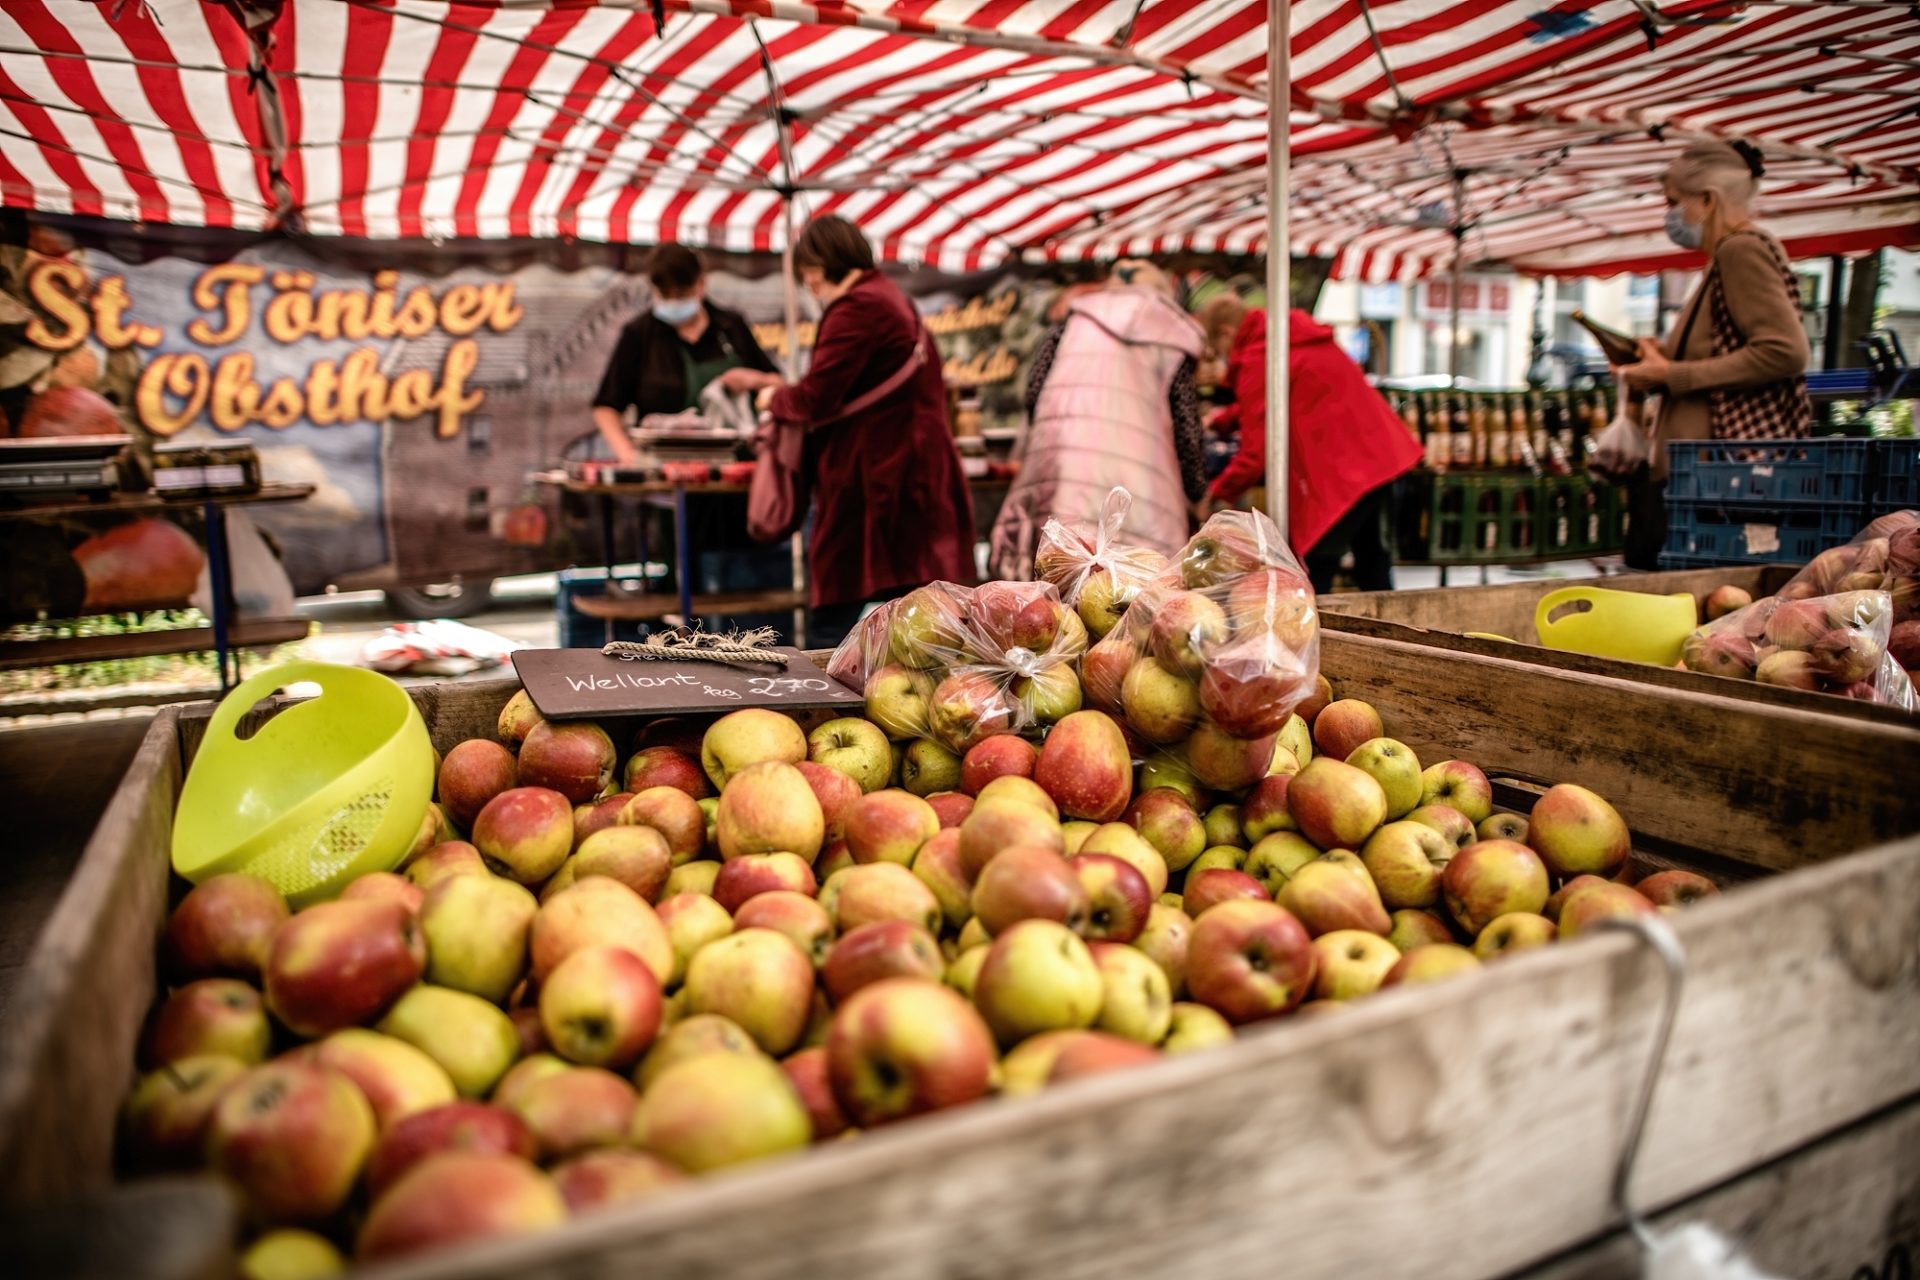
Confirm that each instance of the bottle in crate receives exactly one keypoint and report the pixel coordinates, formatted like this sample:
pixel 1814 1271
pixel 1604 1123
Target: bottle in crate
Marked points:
pixel 1462 432
pixel 1488 521
pixel 1522 521
pixel 1499 435
pixel 1452 536
pixel 1537 424
pixel 1439 441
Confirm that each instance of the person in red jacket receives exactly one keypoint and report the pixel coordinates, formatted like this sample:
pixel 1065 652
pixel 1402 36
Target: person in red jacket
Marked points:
pixel 1345 446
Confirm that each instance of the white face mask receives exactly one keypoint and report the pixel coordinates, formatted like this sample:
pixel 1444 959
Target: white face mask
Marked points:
pixel 1688 235
pixel 676 311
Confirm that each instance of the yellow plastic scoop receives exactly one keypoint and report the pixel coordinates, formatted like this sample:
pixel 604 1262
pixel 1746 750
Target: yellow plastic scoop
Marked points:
pixel 327 790
pixel 1634 626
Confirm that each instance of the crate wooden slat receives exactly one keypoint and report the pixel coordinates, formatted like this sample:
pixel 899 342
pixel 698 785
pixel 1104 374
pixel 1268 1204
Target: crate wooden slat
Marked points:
pixel 76 1011
pixel 1844 1208
pixel 1440 617
pixel 1470 1127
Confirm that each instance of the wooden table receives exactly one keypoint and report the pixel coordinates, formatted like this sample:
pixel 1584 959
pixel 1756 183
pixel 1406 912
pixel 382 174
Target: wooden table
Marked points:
pixel 653 605
pixel 650 606
pixel 225 637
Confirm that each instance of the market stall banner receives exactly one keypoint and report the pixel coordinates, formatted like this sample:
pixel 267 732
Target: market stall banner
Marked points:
pixel 416 393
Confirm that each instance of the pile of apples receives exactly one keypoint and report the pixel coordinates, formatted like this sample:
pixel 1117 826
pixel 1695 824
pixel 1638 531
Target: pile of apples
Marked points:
pixel 758 942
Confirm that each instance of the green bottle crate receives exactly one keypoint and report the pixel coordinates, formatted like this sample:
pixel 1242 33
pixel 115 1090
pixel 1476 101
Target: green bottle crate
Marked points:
pixel 1471 518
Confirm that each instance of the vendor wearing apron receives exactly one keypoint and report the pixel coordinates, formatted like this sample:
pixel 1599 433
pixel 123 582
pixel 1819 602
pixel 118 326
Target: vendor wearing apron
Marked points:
pixel 667 355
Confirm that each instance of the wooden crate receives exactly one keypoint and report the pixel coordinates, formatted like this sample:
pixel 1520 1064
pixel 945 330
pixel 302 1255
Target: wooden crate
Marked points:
pixel 1463 1129
pixel 1442 617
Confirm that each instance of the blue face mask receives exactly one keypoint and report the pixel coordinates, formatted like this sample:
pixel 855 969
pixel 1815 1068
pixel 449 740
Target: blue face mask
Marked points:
pixel 1688 235
pixel 676 311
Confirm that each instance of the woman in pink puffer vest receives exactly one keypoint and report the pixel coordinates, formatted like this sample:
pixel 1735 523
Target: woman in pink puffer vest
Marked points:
pixel 1110 401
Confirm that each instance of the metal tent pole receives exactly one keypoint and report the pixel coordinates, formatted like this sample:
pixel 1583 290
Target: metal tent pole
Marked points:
pixel 1453 298
pixel 792 288
pixel 1453 303
pixel 1279 254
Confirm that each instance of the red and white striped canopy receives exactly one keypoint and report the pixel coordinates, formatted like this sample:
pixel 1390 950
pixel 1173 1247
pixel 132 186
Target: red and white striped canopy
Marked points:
pixel 963 133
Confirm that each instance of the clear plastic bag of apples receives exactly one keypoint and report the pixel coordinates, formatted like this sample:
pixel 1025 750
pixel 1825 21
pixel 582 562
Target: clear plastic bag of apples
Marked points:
pixel 1214 654
pixel 1096 573
pixel 946 667
pixel 1827 644
pixel 1848 623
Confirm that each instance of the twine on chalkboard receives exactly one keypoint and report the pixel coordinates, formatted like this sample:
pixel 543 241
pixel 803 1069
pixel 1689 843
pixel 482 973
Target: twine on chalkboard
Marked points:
pixel 732 648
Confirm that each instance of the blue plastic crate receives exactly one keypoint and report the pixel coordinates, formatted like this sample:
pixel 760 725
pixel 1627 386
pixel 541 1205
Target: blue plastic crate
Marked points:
pixel 1769 472
pixel 1720 534
pixel 1896 475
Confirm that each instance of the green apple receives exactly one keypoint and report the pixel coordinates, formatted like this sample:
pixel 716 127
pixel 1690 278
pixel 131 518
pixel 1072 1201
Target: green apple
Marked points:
pixel 963 975
pixel 1038 976
pixel 1192 1027
pixel 1229 856
pixel 1222 825
pixel 290 1254
pixel 1430 963
pixel 691 877
pixel 1075 832
pixel 1136 1001
pixel 1164 941
pixel 1352 963
pixel 1393 765
pixel 760 980
pixel 749 736
pixel 856 747
pixel 476 929
pixel 1162 706
pixel 1296 739
pixel 691 1037
pixel 719 1109
pixel 1274 859
pixel 1515 931
pixel 927 768
pixel 472 1040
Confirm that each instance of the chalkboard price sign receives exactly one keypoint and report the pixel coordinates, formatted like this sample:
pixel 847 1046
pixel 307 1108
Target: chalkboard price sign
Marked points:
pixel 582 683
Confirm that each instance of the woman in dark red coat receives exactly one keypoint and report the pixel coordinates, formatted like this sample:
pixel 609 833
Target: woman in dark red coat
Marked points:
pixel 891 507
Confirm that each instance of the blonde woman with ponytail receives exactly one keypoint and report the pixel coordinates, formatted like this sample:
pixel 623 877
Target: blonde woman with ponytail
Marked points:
pixel 1734 365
